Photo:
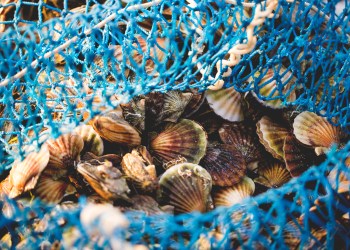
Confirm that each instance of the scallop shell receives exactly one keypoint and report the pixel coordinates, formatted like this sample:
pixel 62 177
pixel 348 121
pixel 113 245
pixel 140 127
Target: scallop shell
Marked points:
pixel 114 129
pixel 226 103
pixel 5 187
pixel 315 131
pixel 296 158
pixel 194 104
pixel 185 138
pixel 272 136
pixel 224 165
pixel 50 190
pixel 187 187
pixel 175 103
pixel 145 204
pixel 339 180
pixel 92 141
pixel 243 140
pixel 269 88
pixel 272 174
pixel 24 174
pixel 134 113
pixel 233 195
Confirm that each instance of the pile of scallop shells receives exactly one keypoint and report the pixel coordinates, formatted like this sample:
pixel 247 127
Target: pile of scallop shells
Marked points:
pixel 176 152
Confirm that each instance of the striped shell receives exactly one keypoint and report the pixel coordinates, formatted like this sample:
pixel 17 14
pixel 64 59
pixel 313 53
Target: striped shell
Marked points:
pixel 232 195
pixel 272 136
pixel 315 131
pixel 184 139
pixel 224 165
pixel 272 174
pixel 226 103
pixel 92 141
pixel 51 190
pixel 115 129
pixel 25 174
pixel 187 187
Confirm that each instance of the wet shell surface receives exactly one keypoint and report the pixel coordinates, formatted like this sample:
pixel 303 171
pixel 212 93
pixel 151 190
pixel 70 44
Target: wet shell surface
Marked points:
pixel 272 136
pixel 243 141
pixel 229 196
pixel 187 187
pixel 115 129
pixel 92 141
pixel 184 139
pixel 315 131
pixel 226 103
pixel 225 166
pixel 272 174
pixel 25 174
pixel 269 87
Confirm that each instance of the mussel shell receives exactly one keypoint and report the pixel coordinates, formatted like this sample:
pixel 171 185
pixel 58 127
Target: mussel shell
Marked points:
pixel 184 139
pixel 187 187
pixel 225 166
pixel 315 131
pixel 272 174
pixel 272 135
pixel 92 141
pixel 115 129
pixel 226 103
pixel 229 196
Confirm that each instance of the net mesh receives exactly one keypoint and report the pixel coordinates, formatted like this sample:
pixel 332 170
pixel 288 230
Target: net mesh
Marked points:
pixel 63 63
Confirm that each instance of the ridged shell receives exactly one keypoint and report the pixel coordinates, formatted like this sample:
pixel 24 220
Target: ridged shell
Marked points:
pixel 65 151
pixel 225 166
pixel 24 174
pixel 315 131
pixel 296 158
pixel 5 187
pixel 226 103
pixel 272 174
pixel 134 113
pixel 187 187
pixel 194 104
pixel 269 88
pixel 92 141
pixel 185 138
pixel 232 195
pixel 114 129
pixel 50 190
pixel 272 136
pixel 175 103
pixel 243 140
pixel 338 180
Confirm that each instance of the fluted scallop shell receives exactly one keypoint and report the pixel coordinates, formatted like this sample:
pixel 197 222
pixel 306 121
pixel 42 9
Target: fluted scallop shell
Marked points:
pixel 145 177
pixel 327 89
pixel 5 187
pixel 51 190
pixel 115 129
pixel 269 88
pixel 272 174
pixel 229 196
pixel 225 166
pixel 296 158
pixel 92 141
pixel 243 139
pixel 194 104
pixel 24 174
pixel 339 180
pixel 185 138
pixel 315 131
pixel 187 187
pixel 272 136
pixel 226 103
pixel 175 103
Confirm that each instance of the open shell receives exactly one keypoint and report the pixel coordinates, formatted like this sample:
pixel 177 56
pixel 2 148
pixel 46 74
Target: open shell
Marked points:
pixel 115 129
pixel 315 131
pixel 187 187
pixel 232 195
pixel 272 174
pixel 185 138
pixel 272 135
pixel 24 174
pixel 92 141
pixel 226 103
pixel 225 166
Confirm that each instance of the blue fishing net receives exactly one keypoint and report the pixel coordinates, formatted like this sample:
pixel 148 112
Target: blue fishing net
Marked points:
pixel 51 46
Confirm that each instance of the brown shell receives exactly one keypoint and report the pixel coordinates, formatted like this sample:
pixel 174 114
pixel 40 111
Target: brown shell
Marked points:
pixel 232 195
pixel 24 174
pixel 114 129
pixel 184 139
pixel 225 166
pixel 243 140
pixel 272 136
pixel 187 187
pixel 145 204
pixel 315 131
pixel 134 112
pixel 272 174
pixel 50 190
pixel 92 141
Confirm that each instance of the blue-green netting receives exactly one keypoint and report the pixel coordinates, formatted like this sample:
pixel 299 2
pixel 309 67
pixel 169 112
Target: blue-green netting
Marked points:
pixel 309 38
